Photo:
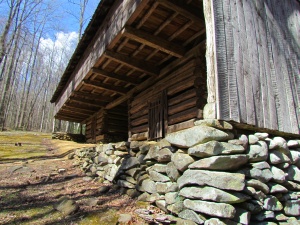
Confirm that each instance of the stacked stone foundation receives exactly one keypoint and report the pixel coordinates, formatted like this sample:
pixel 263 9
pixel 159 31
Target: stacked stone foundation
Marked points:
pixel 207 174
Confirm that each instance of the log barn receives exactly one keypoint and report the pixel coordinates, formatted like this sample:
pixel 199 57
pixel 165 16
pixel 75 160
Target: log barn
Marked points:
pixel 146 68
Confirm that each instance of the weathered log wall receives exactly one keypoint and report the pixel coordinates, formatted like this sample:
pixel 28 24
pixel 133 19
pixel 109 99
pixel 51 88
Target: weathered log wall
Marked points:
pixel 107 125
pixel 186 95
pixel 254 62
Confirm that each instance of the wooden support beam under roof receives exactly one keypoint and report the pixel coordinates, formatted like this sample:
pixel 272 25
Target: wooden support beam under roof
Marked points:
pixel 108 87
pixel 82 107
pixel 67 118
pixel 125 79
pixel 77 112
pixel 182 8
pixel 83 111
pixel 154 41
pixel 93 96
pixel 88 102
pixel 141 66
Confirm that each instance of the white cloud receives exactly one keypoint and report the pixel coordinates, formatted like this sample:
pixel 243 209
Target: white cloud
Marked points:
pixel 57 51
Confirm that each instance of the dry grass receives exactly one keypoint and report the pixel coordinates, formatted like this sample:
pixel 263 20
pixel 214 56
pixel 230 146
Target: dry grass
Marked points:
pixel 33 144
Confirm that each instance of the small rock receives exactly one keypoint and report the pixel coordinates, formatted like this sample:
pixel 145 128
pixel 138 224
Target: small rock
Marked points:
pixel 278 174
pixel 277 157
pixel 188 214
pixel 293 143
pixel 162 205
pixel 185 222
pixel 258 185
pixel 172 172
pixel 223 125
pixel 292 208
pixel 272 203
pixel 158 177
pixel 103 189
pixel 124 218
pixel 214 221
pixel 164 155
pixel 87 179
pixel 149 186
pixel 258 152
pixel 62 170
pixel 66 206
pixel 264 215
pixel 253 139
pixel 163 188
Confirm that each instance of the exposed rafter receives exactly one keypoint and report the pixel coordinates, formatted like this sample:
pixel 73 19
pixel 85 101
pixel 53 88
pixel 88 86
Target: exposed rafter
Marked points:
pixel 154 41
pixel 182 9
pixel 93 96
pixel 108 87
pixel 87 101
pixel 115 76
pixel 142 66
pixel 81 107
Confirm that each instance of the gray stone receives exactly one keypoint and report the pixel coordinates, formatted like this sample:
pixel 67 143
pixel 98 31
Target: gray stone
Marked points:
pixel 293 143
pixel 120 153
pixel 160 168
pixel 242 216
pixel 66 206
pixel 253 206
pixel 264 215
pixel 209 111
pixel 172 172
pixel 258 152
pixel 214 221
pixel 222 210
pixel 130 163
pixel 281 217
pixel 176 208
pixel 231 162
pixel 195 135
pixel 262 136
pixel 226 181
pixel 295 156
pixel 188 214
pixel 223 125
pixel 125 184
pixel 261 165
pixel 171 197
pixel 292 208
pixel 263 175
pixel 213 148
pixel 162 205
pixel 253 139
pixel 293 221
pixel 144 197
pixel 182 161
pixel 278 174
pixel 149 186
pixel 163 188
pixel 124 218
pixel 277 188
pixel 293 173
pixel 152 153
pixel 277 157
pixel 158 177
pixel 291 196
pixel 213 194
pixel 259 195
pixel 184 222
pixel 144 148
pixel 258 185
pixel 136 144
pixel 164 155
pixel 280 144
pixel 133 172
pixel 272 203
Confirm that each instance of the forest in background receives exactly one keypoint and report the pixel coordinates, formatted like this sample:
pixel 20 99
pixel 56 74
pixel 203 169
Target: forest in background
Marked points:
pixel 31 65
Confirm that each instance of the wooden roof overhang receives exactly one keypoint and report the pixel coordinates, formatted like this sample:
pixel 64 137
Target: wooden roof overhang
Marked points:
pixel 137 44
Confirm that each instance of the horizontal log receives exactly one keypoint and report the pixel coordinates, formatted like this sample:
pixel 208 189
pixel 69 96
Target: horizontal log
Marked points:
pixel 140 113
pixel 181 126
pixel 141 107
pixel 139 129
pixel 139 137
pixel 184 116
pixel 108 87
pixel 188 83
pixel 182 106
pixel 139 121
pixel 182 97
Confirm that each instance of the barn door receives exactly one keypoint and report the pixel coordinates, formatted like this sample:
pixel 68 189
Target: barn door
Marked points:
pixel 158 117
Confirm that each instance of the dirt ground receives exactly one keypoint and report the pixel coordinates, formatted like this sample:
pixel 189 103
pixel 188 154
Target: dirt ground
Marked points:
pixel 29 188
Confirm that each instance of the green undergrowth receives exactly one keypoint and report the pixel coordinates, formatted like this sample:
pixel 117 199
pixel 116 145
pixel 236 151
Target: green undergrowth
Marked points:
pixel 101 218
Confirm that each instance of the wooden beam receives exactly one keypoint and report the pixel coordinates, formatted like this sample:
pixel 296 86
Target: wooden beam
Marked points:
pixel 79 106
pixel 182 9
pixel 154 41
pixel 93 96
pixel 88 102
pixel 77 112
pixel 108 87
pixel 152 80
pixel 115 76
pixel 142 66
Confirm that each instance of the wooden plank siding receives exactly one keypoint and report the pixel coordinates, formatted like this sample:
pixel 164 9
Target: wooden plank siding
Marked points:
pixel 257 54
